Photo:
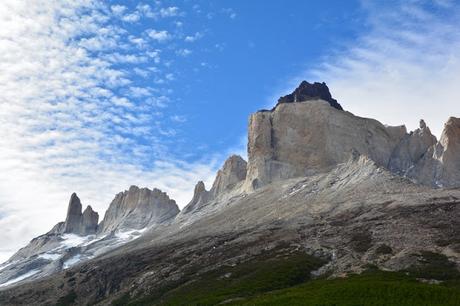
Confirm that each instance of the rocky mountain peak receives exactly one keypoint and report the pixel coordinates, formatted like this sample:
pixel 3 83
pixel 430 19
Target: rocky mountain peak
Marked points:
pixel 74 216
pixel 77 222
pixel 90 220
pixel 232 172
pixel 200 196
pixel 310 91
pixel 298 139
pixel 138 208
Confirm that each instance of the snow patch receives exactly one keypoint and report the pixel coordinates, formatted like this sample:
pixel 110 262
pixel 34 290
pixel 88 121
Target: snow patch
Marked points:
pixel 20 278
pixel 50 256
pixel 130 235
pixel 72 240
pixel 72 261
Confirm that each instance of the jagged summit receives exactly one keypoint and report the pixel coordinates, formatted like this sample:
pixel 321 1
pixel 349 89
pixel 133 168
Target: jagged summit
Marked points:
pixel 232 173
pixel 77 222
pixel 138 208
pixel 310 91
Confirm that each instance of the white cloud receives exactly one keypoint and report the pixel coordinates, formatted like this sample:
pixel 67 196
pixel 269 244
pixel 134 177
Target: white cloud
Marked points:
pixel 159 36
pixel 177 118
pixel 133 17
pixel 169 11
pixel 229 12
pixel 194 37
pixel 118 10
pixel 184 52
pixel 403 69
pixel 69 117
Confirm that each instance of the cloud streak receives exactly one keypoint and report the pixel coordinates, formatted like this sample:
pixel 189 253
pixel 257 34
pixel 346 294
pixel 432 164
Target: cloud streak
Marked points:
pixel 403 68
pixel 74 117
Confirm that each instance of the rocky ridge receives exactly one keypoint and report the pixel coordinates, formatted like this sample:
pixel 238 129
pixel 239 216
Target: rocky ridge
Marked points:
pixel 80 237
pixel 138 208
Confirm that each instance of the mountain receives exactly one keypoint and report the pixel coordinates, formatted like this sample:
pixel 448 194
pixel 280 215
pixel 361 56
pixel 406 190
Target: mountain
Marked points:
pixel 138 208
pixel 80 237
pixel 324 193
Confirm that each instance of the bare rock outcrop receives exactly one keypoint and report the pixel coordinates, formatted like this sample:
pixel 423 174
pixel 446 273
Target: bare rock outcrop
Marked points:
pixel 77 222
pixel 89 220
pixel 233 172
pixel 138 208
pixel 411 149
pixel 298 139
pixel 200 196
pixel 440 165
pixel 228 178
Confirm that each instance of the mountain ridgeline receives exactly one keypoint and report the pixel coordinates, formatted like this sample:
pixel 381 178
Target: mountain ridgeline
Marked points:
pixel 345 190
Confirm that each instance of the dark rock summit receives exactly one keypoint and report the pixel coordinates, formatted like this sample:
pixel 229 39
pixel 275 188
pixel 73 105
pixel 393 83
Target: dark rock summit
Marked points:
pixel 307 92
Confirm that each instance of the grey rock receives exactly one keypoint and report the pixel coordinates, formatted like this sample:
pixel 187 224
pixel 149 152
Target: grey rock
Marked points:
pixel 232 172
pixel 74 216
pixel 138 208
pixel 411 149
pixel 200 197
pixel 228 178
pixel 297 139
pixel 89 221
pixel 440 165
pixel 77 222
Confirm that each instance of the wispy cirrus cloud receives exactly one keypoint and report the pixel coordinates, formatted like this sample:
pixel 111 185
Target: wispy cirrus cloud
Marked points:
pixel 402 68
pixel 76 116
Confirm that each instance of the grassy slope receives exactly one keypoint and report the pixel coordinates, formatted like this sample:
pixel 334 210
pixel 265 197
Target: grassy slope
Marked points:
pixel 285 280
pixel 375 288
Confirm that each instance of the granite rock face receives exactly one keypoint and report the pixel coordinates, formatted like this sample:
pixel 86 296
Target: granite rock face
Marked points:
pixel 412 149
pixel 77 222
pixel 89 220
pixel 138 208
pixel 310 92
pixel 440 165
pixel 233 172
pixel 200 196
pixel 298 139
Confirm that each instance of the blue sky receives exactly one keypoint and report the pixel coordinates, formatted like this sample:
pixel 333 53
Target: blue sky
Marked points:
pixel 98 95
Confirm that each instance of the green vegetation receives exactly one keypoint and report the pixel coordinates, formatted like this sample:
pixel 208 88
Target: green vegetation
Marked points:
pixel 373 288
pixel 243 280
pixel 282 279
pixel 434 266
pixel 68 299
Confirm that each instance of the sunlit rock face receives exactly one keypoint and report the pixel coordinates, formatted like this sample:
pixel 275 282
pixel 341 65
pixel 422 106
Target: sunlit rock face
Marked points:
pixel 228 179
pixel 297 139
pixel 411 149
pixel 308 132
pixel 233 172
pixel 138 208
pixel 440 165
